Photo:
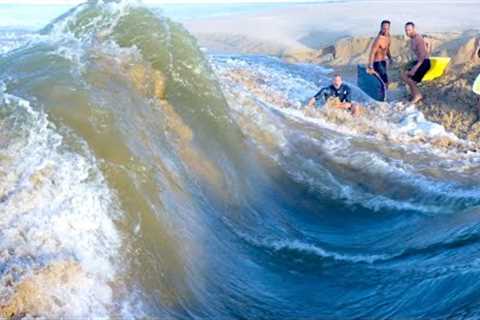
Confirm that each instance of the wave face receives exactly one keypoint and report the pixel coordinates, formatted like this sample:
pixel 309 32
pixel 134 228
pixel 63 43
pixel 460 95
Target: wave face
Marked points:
pixel 141 179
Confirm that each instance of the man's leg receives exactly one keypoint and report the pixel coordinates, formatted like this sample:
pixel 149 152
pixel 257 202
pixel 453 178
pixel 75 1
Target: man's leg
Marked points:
pixel 412 85
pixel 478 109
pixel 381 68
pixel 344 105
pixel 417 95
pixel 356 109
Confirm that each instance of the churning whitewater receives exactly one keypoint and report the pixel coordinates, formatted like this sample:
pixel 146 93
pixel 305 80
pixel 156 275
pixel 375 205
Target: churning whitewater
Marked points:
pixel 139 178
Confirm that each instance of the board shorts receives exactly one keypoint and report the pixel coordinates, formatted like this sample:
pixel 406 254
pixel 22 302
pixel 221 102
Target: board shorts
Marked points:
pixel 380 68
pixel 422 70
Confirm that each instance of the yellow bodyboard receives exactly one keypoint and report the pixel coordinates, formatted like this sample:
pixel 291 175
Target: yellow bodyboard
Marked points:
pixel 438 66
pixel 476 85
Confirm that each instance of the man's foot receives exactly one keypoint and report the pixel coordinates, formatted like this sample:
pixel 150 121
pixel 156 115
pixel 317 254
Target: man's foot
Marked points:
pixel 416 99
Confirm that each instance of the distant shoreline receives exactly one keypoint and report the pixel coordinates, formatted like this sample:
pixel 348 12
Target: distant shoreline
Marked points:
pixel 307 27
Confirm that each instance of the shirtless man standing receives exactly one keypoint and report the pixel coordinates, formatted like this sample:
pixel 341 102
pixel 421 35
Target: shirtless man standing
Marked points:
pixel 422 64
pixel 377 61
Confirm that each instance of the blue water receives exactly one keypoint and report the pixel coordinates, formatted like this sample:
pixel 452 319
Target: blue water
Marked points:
pixel 219 198
pixel 360 229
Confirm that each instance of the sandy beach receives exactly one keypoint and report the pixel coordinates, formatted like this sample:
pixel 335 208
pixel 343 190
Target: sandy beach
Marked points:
pixel 313 26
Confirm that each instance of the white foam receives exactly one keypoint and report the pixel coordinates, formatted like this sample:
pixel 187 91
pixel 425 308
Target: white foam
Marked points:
pixel 415 124
pixel 311 249
pixel 73 45
pixel 55 207
pixel 402 124
pixel 297 90
pixel 308 248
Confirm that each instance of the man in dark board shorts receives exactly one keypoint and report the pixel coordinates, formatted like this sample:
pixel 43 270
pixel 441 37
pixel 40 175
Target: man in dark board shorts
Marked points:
pixel 422 64
pixel 380 52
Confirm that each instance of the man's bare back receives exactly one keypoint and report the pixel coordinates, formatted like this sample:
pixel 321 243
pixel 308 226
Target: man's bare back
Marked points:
pixel 419 47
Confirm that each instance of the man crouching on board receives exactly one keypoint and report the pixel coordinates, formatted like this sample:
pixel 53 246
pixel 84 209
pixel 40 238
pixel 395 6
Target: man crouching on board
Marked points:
pixel 340 91
pixel 422 64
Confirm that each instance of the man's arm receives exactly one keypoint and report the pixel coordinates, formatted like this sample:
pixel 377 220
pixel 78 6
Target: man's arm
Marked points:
pixel 421 54
pixel 319 94
pixel 348 98
pixel 316 97
pixel 476 52
pixel 346 104
pixel 389 55
pixel 373 51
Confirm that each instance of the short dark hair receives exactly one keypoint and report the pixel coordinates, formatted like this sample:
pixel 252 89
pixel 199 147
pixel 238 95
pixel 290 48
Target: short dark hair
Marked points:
pixel 410 24
pixel 385 22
